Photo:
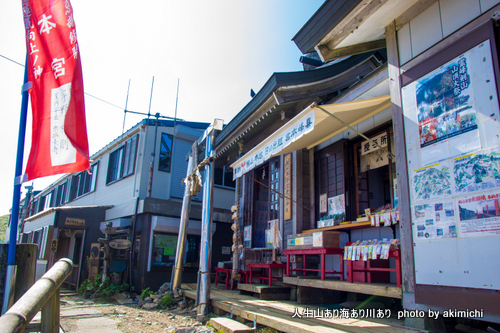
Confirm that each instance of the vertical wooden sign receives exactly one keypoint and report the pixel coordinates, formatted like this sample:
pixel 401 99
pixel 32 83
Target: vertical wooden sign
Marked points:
pixel 288 187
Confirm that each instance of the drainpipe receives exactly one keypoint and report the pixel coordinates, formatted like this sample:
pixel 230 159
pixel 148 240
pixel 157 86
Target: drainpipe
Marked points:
pixel 206 234
pixel 132 245
pixel 151 165
pixel 181 240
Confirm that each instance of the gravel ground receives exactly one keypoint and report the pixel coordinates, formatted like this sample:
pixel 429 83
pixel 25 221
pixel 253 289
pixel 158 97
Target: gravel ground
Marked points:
pixel 78 313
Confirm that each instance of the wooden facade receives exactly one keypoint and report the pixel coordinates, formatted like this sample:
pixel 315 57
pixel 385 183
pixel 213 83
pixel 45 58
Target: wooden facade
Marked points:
pixel 421 38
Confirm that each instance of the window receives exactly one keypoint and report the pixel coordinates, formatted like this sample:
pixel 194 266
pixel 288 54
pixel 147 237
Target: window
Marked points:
pixel 48 200
pixel 165 153
pixel 165 246
pixel 83 183
pixel 61 194
pixel 223 176
pixel 122 161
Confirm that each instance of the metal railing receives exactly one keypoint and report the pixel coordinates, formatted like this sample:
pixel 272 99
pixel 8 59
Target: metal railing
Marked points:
pixel 43 295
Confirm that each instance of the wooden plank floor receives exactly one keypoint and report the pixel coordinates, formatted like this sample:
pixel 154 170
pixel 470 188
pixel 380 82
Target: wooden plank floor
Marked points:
pixel 378 289
pixel 278 314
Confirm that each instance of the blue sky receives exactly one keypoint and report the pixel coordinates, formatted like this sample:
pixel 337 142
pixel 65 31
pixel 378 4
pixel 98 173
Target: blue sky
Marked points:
pixel 218 50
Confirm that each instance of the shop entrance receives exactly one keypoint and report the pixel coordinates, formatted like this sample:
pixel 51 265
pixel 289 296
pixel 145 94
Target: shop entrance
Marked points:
pixel 262 186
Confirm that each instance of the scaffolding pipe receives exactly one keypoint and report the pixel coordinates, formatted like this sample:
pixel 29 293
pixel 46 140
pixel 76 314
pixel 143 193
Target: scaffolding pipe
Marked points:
pixel 206 234
pixel 181 240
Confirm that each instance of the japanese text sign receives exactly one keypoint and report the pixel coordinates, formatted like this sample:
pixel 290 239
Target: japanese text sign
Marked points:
pixel 59 132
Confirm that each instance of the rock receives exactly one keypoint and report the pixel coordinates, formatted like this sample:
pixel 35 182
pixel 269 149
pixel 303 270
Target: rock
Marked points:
pixel 164 288
pixel 120 296
pixel 138 319
pixel 149 306
pixel 149 323
pixel 155 296
pixel 148 299
pixel 141 303
pixel 182 304
pixel 157 300
pixel 123 301
pixel 119 311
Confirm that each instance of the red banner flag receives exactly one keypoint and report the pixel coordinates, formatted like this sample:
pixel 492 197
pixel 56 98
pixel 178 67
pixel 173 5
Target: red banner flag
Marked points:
pixel 59 141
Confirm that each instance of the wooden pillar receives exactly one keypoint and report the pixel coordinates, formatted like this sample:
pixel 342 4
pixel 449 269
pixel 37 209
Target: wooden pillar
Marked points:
pixel 26 257
pixel 312 191
pixel 50 313
pixel 407 263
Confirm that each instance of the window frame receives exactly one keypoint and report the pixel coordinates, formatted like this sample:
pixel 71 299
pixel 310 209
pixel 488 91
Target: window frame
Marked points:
pixel 225 174
pixel 171 137
pixel 124 162
pixel 81 181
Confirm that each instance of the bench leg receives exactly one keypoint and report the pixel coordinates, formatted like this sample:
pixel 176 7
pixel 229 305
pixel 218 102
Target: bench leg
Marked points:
pixel 227 280
pixel 322 267
pixel 341 267
pixel 398 271
pixel 216 277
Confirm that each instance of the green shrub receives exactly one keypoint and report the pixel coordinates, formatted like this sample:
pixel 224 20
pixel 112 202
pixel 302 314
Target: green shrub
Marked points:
pixel 103 289
pixel 146 293
pixel 167 301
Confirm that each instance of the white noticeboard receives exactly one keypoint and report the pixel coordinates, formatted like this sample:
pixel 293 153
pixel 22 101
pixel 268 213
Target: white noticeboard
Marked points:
pixel 453 147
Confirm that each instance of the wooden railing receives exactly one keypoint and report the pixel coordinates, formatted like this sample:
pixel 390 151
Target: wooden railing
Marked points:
pixel 43 295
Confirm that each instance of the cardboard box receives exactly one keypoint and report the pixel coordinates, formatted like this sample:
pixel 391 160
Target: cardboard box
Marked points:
pixel 314 239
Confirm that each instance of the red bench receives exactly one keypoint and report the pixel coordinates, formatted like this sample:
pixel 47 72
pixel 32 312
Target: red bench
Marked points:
pixel 322 251
pixel 263 276
pixel 227 271
pixel 367 269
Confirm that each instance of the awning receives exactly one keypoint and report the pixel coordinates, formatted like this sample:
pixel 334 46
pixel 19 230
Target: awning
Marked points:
pixel 310 128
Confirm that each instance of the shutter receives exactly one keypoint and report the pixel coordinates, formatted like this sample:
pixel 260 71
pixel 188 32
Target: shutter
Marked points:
pixel 181 149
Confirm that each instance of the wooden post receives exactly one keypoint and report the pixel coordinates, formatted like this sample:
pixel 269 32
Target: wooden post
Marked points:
pixel 40 294
pixel 26 256
pixel 407 265
pixel 50 313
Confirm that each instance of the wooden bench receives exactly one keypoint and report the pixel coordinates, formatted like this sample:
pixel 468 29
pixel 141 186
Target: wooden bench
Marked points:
pixel 322 251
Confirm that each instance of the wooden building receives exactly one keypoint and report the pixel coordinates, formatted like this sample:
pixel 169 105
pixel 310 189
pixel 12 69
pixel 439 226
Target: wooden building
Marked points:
pixel 289 155
pixel 443 71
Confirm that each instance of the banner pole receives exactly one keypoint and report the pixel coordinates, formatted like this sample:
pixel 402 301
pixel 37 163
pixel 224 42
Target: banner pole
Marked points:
pixel 10 277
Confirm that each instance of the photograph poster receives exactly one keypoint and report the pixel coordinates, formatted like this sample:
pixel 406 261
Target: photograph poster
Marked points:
pixel 479 215
pixel 435 220
pixel 446 109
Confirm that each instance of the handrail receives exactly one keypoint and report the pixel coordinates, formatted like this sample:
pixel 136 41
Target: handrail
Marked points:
pixel 43 295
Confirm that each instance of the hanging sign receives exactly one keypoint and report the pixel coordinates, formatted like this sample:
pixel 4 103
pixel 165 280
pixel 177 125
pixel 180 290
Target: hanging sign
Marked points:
pixel 374 143
pixel 288 187
pixel 120 244
pixel 255 158
pixel 74 222
pixel 53 245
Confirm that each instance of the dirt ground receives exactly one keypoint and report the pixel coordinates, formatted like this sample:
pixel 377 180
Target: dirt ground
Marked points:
pixel 79 315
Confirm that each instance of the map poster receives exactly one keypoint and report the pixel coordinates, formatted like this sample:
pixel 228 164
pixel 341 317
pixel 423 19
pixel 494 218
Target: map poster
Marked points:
pixel 432 182
pixel 435 220
pixel 477 172
pixel 479 215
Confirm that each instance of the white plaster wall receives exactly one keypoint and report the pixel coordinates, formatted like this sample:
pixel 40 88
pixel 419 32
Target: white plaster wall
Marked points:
pixel 436 23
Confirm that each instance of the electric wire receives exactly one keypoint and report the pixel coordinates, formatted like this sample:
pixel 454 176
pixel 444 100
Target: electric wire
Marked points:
pixel 86 93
